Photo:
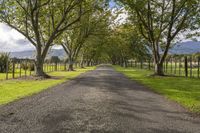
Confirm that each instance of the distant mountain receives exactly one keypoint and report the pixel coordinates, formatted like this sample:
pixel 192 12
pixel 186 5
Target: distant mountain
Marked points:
pixel 23 54
pixel 31 54
pixel 189 47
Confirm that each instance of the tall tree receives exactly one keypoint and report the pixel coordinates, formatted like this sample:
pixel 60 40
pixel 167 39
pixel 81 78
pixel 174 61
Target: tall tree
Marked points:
pixel 41 22
pixel 91 25
pixel 124 44
pixel 159 22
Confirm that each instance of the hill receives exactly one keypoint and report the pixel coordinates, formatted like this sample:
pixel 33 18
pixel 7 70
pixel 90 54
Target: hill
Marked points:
pixel 189 47
pixel 31 54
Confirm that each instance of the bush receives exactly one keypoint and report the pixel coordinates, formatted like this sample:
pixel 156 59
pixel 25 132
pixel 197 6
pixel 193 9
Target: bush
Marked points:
pixel 55 59
pixel 28 66
pixel 4 60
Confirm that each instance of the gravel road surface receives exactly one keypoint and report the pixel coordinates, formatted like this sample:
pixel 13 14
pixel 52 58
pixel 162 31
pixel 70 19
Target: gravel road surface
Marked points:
pixel 99 101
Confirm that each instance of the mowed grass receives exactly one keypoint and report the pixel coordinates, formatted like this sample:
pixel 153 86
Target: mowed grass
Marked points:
pixel 2 76
pixel 11 90
pixel 176 71
pixel 16 75
pixel 46 68
pixel 185 91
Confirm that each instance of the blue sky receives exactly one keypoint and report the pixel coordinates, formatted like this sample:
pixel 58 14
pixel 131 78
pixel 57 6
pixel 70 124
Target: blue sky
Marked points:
pixel 112 4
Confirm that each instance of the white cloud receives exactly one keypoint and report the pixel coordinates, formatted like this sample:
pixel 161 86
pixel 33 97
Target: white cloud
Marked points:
pixel 121 16
pixel 11 40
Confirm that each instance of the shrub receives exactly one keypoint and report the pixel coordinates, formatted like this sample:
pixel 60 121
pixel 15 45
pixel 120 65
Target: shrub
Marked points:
pixel 55 59
pixel 4 60
pixel 28 66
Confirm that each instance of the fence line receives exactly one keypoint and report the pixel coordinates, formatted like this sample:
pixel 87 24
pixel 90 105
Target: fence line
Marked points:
pixel 19 68
pixel 187 66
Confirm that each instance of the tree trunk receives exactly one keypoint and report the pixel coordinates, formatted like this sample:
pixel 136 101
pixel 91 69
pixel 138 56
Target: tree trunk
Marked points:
pixel 56 66
pixel 82 61
pixel 39 62
pixel 121 62
pixel 159 69
pixel 71 65
pixel 113 63
pixel 82 64
pixel 39 72
pixel 88 63
pixel 125 63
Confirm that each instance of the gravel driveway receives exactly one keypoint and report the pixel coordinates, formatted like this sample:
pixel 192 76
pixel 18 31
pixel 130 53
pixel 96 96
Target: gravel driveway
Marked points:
pixel 99 101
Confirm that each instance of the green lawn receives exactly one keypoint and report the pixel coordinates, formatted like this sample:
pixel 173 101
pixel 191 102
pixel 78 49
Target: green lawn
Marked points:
pixel 185 91
pixel 17 74
pixel 28 73
pixel 11 90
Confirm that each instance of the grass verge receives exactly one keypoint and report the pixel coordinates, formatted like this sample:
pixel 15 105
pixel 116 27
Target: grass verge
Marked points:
pixel 182 90
pixel 11 90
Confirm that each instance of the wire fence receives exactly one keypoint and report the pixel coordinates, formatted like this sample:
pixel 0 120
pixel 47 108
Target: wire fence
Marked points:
pixel 23 68
pixel 187 66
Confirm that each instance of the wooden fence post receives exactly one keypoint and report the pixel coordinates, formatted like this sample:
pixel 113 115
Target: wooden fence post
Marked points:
pixel 44 67
pixel 65 66
pixel 191 67
pixel 175 66
pixel 186 66
pixel 149 64
pixel 56 66
pixel 166 66
pixel 141 64
pixel 180 67
pixel 198 67
pixel 171 65
pixel 30 68
pixel 25 68
pixel 7 69
pixel 20 69
pixel 13 69
pixel 47 69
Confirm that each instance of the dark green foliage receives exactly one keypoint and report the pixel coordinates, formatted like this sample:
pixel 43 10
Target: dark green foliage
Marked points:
pixel 55 59
pixel 28 66
pixel 4 60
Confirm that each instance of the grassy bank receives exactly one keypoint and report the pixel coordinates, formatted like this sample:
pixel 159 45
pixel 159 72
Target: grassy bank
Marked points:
pixel 11 90
pixel 182 90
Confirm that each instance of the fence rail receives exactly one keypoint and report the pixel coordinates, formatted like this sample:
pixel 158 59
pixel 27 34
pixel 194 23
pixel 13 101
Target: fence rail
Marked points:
pixel 25 68
pixel 187 66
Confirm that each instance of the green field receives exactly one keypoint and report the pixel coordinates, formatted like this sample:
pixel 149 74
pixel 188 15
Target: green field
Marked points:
pixel 47 68
pixel 172 69
pixel 185 91
pixel 16 75
pixel 11 90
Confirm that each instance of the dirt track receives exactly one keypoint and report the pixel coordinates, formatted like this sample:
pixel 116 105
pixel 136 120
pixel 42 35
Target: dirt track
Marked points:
pixel 100 101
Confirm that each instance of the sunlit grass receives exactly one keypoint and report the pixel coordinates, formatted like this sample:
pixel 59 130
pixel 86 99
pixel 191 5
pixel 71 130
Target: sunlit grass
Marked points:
pixel 47 68
pixel 11 90
pixel 185 91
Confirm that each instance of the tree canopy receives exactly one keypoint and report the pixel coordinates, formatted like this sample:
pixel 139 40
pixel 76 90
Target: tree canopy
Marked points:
pixel 92 32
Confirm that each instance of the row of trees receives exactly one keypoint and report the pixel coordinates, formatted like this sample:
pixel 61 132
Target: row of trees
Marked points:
pixel 87 29
pixel 161 22
pixel 44 23
pixel 151 29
